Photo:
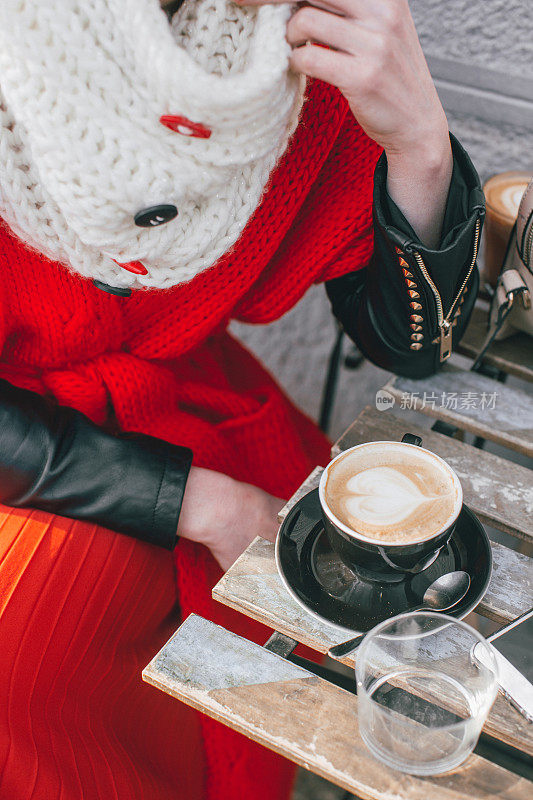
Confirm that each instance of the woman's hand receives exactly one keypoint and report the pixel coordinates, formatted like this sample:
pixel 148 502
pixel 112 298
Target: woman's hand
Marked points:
pixel 226 515
pixel 373 56
pixel 376 61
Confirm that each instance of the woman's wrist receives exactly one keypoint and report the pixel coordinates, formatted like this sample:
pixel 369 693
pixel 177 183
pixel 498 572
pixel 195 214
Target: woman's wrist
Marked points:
pixel 206 503
pixel 418 181
pixel 226 515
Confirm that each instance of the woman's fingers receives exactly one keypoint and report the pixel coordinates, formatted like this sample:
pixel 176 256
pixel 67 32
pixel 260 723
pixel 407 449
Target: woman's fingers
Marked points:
pixel 357 66
pixel 390 11
pixel 372 54
pixel 325 65
pixel 337 6
pixel 321 26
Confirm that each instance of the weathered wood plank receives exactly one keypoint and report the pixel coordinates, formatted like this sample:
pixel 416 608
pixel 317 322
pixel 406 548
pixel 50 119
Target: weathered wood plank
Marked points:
pixel 511 585
pixel 513 355
pixel 509 422
pixel 307 719
pixel 253 586
pixel 498 491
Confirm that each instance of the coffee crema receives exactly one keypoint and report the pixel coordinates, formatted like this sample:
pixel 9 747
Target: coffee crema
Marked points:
pixel 394 493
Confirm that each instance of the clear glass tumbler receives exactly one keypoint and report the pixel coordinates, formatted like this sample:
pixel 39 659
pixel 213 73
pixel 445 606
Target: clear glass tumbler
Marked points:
pixel 422 696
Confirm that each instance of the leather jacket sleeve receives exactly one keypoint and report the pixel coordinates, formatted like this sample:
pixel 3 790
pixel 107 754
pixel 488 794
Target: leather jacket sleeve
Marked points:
pixel 409 308
pixel 54 459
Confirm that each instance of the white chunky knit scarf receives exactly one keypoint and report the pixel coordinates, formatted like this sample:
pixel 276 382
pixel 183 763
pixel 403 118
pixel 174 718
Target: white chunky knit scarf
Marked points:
pixel 83 85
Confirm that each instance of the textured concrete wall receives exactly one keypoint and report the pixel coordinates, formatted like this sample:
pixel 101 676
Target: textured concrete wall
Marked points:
pixel 494 34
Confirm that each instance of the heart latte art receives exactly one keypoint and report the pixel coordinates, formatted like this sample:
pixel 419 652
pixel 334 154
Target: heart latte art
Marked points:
pixel 391 492
pixel 383 495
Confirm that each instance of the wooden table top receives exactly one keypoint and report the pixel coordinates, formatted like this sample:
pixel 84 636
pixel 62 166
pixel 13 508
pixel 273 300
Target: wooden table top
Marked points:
pixel 471 402
pixel 498 490
pixel 305 718
pixel 312 721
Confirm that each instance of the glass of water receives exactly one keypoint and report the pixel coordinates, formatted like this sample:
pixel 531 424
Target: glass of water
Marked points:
pixel 422 696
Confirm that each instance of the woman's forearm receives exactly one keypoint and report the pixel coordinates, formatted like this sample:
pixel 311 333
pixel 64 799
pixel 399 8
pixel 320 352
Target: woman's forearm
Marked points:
pixel 418 182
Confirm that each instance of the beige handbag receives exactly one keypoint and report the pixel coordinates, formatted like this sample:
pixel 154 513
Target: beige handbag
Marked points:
pixel 511 307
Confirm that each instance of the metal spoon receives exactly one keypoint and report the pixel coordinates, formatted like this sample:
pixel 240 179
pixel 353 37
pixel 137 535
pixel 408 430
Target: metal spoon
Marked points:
pixel 441 595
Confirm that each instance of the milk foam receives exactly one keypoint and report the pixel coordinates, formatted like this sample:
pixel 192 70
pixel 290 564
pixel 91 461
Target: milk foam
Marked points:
pixel 383 496
pixel 392 492
pixel 511 198
pixel 504 194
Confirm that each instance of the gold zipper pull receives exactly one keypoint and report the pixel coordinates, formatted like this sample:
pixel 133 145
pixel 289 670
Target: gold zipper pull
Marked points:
pixel 445 341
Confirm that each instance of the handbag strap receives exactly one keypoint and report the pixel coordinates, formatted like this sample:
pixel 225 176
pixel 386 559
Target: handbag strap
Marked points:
pixel 505 305
pixel 510 286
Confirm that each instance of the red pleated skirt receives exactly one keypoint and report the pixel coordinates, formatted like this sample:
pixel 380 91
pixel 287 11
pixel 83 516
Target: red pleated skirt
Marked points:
pixel 83 610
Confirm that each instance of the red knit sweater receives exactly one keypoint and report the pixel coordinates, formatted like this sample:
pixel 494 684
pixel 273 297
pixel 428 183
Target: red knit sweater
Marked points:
pixel 162 363
pixel 65 336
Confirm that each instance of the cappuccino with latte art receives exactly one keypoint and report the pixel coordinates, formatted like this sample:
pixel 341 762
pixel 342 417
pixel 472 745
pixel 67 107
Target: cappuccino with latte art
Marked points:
pixel 392 492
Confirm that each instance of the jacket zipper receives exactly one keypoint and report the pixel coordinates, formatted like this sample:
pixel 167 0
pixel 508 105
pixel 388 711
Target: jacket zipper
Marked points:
pixel 444 323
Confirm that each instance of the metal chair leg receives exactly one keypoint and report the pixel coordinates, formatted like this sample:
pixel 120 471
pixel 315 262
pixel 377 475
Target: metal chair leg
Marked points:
pixel 330 386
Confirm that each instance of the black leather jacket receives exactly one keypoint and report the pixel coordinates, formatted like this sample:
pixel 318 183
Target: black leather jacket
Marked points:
pixel 410 307
pixel 405 311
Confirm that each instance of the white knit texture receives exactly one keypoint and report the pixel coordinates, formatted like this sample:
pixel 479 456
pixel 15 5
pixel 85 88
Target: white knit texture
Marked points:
pixel 83 84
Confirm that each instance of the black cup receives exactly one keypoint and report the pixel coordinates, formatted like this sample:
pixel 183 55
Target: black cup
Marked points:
pixel 382 561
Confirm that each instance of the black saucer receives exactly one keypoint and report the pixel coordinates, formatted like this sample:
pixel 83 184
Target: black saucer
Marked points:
pixel 320 582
